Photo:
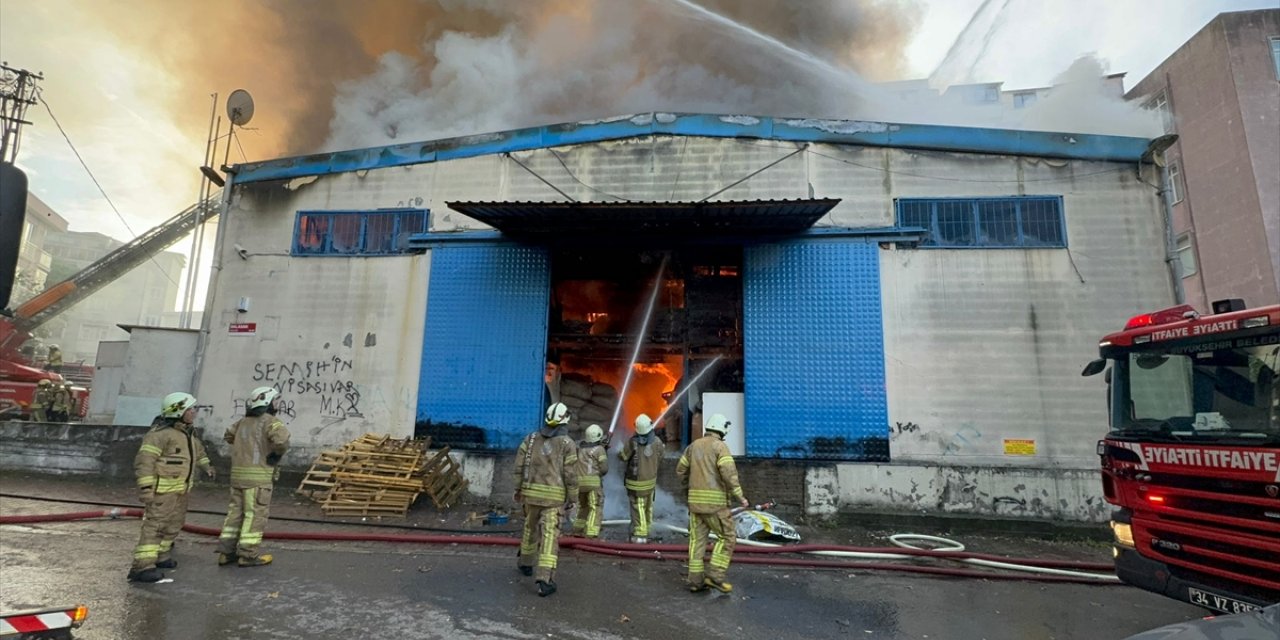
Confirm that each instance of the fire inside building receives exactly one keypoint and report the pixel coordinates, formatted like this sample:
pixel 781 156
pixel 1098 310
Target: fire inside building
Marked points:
pixel 890 315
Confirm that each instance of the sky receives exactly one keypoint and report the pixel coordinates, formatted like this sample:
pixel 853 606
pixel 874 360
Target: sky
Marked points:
pixel 131 80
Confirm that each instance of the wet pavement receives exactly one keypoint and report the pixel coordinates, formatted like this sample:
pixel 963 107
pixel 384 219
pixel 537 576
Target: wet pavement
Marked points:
pixel 359 590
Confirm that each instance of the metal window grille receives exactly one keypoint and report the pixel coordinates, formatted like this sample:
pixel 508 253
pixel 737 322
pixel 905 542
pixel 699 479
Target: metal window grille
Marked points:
pixel 1007 222
pixel 357 233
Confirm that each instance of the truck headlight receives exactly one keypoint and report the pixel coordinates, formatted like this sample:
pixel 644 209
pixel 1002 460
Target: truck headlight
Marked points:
pixel 1123 533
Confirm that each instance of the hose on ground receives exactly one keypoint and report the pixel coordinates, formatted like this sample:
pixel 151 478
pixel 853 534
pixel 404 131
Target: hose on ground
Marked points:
pixel 651 551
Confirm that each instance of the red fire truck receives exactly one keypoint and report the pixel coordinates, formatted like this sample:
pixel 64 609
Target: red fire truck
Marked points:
pixel 1192 460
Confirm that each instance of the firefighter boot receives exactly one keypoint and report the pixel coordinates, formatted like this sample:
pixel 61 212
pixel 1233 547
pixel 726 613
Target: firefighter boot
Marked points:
pixel 546 588
pixel 225 559
pixel 718 585
pixel 146 575
pixel 167 563
pixel 260 561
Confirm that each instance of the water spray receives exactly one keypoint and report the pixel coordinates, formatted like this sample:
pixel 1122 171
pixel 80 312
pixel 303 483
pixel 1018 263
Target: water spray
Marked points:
pixel 687 387
pixel 635 354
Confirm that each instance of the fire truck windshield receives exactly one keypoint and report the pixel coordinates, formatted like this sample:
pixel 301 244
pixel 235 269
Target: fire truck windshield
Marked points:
pixel 1226 394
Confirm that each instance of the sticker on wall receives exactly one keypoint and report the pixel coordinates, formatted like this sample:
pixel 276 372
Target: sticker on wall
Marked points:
pixel 243 328
pixel 1019 447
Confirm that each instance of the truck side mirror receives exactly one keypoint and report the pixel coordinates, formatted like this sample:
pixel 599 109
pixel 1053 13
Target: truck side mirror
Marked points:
pixel 1094 368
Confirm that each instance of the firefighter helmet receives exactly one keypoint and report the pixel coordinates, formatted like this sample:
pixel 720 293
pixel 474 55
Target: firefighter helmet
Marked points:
pixel 644 424
pixel 594 434
pixel 44 382
pixel 717 423
pixel 176 404
pixel 262 397
pixel 557 414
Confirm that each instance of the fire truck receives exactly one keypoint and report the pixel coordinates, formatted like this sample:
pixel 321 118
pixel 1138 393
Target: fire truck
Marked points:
pixel 19 374
pixel 1192 458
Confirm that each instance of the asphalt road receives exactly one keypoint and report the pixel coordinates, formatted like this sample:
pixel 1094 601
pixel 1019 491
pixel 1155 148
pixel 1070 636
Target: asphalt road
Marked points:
pixel 363 590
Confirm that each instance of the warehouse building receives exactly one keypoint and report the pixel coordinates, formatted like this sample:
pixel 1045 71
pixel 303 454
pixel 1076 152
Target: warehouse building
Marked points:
pixel 891 315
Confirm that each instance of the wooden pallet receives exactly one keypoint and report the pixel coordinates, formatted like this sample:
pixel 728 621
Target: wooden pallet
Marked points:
pixel 376 475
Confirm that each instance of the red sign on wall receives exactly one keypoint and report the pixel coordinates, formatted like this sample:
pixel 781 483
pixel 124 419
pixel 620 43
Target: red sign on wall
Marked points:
pixel 243 328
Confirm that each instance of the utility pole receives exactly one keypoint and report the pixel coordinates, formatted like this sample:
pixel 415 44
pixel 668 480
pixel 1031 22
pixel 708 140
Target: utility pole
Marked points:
pixel 18 90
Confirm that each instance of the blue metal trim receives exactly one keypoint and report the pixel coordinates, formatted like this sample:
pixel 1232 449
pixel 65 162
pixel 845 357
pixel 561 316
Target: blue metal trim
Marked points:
pixel 880 134
pixel 876 234
pixel 435 238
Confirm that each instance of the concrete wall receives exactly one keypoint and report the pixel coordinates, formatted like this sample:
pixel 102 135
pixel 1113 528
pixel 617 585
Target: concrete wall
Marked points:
pixel 102 450
pixel 159 362
pixel 108 374
pixel 982 346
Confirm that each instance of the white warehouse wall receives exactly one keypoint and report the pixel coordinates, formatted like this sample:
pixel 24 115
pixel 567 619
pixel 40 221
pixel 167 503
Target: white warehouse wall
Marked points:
pixel 981 345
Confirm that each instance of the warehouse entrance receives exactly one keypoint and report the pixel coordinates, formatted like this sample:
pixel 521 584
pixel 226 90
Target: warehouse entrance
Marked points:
pixel 689 344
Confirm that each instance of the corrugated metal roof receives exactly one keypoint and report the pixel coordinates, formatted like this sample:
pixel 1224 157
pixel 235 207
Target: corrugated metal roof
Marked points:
pixel 853 132
pixel 751 217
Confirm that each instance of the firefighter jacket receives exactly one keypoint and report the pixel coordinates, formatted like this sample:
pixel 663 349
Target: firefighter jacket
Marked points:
pixel 706 469
pixel 547 468
pixel 257 444
pixel 642 455
pixel 62 399
pixel 43 398
pixel 169 456
pixel 593 464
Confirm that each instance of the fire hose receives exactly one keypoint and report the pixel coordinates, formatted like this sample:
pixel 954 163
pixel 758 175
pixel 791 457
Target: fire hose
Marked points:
pixel 752 552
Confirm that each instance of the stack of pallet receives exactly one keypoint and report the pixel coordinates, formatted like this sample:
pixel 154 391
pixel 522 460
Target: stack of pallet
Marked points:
pixel 377 475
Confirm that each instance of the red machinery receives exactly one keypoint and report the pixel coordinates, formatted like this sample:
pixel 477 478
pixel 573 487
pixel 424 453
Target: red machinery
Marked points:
pixel 18 374
pixel 1192 460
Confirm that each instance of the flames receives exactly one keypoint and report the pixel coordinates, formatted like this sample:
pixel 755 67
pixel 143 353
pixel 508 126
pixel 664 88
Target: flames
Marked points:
pixel 649 382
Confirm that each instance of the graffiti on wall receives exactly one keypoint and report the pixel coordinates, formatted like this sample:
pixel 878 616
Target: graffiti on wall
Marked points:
pixel 327 380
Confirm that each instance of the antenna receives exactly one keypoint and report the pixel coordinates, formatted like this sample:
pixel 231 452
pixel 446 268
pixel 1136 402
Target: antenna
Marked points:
pixel 240 107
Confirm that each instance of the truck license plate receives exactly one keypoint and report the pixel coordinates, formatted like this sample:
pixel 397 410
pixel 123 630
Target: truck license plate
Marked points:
pixel 1219 603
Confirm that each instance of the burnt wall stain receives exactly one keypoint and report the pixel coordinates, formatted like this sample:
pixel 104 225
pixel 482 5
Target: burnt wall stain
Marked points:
pixel 865 449
pixel 453 434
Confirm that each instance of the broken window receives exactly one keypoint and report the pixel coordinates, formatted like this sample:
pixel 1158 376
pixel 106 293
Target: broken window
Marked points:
pixel 364 233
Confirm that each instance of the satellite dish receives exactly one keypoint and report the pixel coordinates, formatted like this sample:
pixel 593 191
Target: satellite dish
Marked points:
pixel 240 107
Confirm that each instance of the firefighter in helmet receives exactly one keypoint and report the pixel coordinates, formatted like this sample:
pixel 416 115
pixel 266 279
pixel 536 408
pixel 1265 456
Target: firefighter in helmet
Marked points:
pixel 642 455
pixel 546 477
pixel 55 359
pixel 593 464
pixel 165 468
pixel 707 471
pixel 62 403
pixel 42 400
pixel 258 442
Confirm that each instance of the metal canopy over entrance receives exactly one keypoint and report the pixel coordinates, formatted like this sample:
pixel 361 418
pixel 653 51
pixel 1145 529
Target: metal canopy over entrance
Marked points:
pixel 754 217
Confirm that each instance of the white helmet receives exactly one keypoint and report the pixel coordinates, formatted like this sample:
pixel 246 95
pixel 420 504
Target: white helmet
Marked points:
pixel 176 404
pixel 717 423
pixel 557 414
pixel 644 424
pixel 594 434
pixel 262 397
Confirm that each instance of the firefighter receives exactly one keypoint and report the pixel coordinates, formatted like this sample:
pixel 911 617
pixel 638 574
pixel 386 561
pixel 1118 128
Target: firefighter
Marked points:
pixel 258 442
pixel 641 454
pixel 55 359
pixel 42 401
pixel 61 411
pixel 707 472
pixel 546 477
pixel 593 465
pixel 165 468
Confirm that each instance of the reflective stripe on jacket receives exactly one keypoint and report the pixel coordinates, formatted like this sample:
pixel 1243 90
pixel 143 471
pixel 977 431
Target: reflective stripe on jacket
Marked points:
pixel 593 464
pixel 252 439
pixel 642 460
pixel 167 459
pixel 547 469
pixel 707 470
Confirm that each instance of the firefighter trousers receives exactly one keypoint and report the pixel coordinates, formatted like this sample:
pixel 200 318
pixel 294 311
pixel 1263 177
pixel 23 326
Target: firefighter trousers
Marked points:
pixel 701 525
pixel 590 512
pixel 641 512
pixel 540 543
pixel 246 521
pixel 162 519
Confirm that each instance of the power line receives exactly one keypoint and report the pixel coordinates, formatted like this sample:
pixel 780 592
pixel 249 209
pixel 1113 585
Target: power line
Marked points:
pixel 575 179
pixel 97 184
pixel 536 175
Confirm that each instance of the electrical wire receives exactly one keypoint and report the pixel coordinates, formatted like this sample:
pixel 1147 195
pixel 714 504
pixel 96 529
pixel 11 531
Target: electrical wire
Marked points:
pixel 97 184
pixel 538 176
pixel 577 180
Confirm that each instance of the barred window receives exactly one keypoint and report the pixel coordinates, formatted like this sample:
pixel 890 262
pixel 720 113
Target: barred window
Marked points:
pixel 1013 222
pixel 357 233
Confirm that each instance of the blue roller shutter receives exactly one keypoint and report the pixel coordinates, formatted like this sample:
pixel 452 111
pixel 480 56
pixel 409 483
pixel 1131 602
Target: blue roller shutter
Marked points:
pixel 814 351
pixel 484 351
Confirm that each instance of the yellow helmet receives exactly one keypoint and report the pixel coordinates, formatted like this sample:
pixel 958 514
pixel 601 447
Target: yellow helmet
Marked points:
pixel 44 382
